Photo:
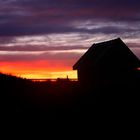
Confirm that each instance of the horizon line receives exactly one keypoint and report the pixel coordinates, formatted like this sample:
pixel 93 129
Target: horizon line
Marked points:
pixel 52 79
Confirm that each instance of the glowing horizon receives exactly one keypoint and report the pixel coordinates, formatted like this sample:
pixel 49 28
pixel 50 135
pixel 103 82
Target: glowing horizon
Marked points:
pixel 37 70
pixel 52 75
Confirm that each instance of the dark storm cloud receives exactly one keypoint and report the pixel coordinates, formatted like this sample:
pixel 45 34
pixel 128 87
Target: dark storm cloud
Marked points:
pixel 31 17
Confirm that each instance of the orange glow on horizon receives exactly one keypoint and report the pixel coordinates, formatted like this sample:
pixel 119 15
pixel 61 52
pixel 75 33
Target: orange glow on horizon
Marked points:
pixel 52 75
pixel 37 70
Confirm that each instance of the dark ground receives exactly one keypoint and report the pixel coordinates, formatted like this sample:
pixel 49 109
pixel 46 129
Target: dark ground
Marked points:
pixel 24 100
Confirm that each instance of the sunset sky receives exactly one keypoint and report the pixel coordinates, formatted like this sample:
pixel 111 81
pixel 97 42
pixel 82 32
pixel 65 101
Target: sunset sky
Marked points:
pixel 44 38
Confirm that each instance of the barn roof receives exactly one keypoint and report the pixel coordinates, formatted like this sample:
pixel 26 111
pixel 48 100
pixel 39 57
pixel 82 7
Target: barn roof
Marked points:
pixel 97 51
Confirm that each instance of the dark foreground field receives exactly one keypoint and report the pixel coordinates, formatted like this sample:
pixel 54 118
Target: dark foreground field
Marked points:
pixel 24 100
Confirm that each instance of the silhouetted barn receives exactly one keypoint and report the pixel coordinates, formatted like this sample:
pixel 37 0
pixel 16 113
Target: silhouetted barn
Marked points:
pixel 107 63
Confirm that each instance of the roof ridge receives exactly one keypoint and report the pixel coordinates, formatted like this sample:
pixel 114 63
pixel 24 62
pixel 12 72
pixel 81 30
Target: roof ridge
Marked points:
pixel 108 41
pixel 93 46
pixel 100 49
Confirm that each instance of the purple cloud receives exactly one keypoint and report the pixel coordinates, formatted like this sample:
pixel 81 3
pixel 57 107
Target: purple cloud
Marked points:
pixel 48 56
pixel 31 17
pixel 92 20
pixel 41 48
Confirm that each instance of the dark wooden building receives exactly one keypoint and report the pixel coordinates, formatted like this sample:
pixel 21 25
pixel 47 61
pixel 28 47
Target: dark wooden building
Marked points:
pixel 107 63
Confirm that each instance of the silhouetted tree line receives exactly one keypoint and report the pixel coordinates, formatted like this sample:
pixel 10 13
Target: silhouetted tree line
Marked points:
pixel 25 100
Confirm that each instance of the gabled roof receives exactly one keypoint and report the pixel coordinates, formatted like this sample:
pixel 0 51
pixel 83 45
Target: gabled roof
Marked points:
pixel 97 51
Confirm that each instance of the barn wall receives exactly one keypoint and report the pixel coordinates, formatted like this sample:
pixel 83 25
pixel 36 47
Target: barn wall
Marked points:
pixel 89 77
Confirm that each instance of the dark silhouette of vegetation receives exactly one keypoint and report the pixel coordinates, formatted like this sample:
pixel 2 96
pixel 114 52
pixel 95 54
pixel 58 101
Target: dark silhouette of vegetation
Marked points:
pixel 25 100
